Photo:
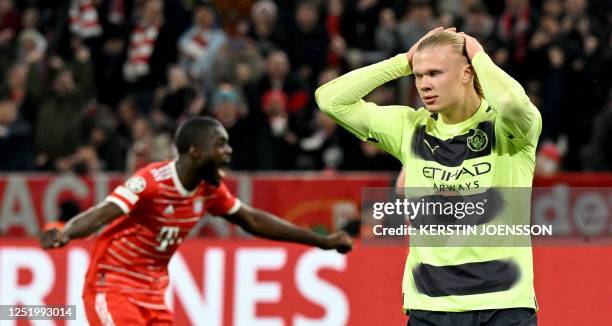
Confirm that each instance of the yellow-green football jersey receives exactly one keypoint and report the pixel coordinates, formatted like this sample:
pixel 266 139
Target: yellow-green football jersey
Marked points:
pixel 493 148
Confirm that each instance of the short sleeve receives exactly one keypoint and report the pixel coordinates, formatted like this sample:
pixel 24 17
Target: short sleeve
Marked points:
pixel 223 202
pixel 128 195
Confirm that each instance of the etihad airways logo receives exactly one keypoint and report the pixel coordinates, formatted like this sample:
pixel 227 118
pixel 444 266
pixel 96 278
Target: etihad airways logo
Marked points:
pixel 474 170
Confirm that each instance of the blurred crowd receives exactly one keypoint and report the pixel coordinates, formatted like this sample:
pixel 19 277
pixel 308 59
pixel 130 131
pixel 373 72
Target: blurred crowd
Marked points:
pixel 100 85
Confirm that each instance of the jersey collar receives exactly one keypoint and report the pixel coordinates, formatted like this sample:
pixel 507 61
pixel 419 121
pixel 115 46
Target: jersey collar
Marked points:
pixel 177 182
pixel 461 127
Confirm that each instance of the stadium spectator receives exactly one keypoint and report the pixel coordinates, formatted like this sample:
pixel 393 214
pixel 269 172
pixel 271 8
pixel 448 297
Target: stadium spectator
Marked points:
pixel 596 155
pixel 419 19
pixel 479 23
pixel 322 150
pixel 16 147
pixel 147 145
pixel 280 77
pixel 9 28
pixel 83 162
pixel 548 160
pixel 239 61
pixel 200 44
pixel 109 67
pixel 60 112
pixel 263 28
pixel 551 46
pixel 387 38
pixel 84 22
pixel 358 23
pixel 337 43
pixel 32 44
pixel 275 143
pixel 583 57
pixel 307 42
pixel 514 27
pixel 179 96
pixel 15 86
pixel 9 19
pixel 127 113
pixel 229 108
pixel 552 8
pixel 110 147
pixel 151 48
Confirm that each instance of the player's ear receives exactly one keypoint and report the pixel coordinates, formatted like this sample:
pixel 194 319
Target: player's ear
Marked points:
pixel 468 74
pixel 194 151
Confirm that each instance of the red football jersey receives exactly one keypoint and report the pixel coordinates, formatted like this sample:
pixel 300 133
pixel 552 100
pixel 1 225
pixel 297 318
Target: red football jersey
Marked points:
pixel 131 255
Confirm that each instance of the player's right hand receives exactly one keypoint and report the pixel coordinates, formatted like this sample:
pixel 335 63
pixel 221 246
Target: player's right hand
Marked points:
pixel 53 238
pixel 412 50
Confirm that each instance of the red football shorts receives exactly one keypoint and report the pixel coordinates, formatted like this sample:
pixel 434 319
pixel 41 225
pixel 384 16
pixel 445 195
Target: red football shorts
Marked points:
pixel 104 309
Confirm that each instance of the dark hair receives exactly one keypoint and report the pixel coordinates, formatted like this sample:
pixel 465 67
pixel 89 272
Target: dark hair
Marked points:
pixel 193 132
pixel 205 5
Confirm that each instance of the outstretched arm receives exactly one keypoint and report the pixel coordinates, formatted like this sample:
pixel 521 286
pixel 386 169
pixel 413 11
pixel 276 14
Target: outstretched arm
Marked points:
pixel 266 225
pixel 81 225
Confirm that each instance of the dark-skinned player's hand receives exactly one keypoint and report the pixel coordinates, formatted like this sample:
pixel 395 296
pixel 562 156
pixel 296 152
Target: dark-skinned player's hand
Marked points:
pixel 340 241
pixel 53 238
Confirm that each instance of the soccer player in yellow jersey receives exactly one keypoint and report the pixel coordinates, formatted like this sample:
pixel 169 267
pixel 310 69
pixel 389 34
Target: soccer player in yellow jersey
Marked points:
pixel 478 130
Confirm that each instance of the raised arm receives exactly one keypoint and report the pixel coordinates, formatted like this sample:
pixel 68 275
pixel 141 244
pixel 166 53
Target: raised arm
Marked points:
pixel 81 225
pixel 266 225
pixel 519 118
pixel 342 100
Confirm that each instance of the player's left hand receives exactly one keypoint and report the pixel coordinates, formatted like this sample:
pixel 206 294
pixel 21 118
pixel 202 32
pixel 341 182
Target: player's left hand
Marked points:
pixel 53 238
pixel 340 241
pixel 472 46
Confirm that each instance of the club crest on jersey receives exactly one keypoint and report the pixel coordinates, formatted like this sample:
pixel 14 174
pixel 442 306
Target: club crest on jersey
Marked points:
pixel 198 205
pixel 136 184
pixel 478 141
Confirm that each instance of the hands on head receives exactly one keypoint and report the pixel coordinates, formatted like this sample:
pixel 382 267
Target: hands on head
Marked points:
pixel 472 45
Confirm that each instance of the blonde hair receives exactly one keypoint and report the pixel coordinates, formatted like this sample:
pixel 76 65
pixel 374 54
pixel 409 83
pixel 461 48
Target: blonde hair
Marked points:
pixel 456 42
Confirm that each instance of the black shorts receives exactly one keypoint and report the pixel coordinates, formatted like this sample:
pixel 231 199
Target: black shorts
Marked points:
pixel 493 317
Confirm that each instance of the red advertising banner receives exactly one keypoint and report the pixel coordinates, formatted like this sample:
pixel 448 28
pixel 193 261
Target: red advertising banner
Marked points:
pixel 252 282
pixel 315 200
pixel 573 179
pixel 29 201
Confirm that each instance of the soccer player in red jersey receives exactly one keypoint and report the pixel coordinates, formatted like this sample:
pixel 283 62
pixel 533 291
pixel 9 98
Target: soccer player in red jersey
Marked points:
pixel 149 217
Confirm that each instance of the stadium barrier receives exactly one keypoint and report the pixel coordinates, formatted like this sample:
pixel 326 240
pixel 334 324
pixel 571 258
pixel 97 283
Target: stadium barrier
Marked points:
pixel 320 201
pixel 256 282
pixel 249 282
